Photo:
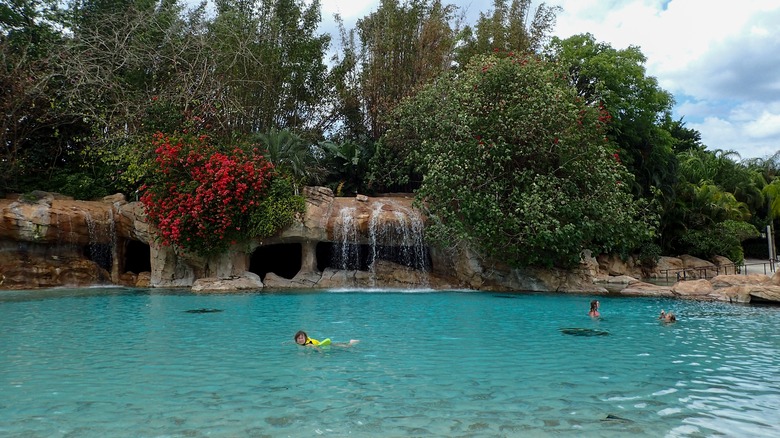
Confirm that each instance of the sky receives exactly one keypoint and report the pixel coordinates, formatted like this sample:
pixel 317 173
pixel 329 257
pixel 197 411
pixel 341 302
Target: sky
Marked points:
pixel 720 60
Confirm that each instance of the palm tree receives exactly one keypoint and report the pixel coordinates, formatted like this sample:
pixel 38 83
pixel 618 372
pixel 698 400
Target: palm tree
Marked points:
pixel 769 167
pixel 706 204
pixel 348 164
pixel 694 166
pixel 772 193
pixel 291 156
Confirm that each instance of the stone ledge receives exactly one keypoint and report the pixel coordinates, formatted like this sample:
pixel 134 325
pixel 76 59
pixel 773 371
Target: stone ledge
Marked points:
pixel 731 288
pixel 246 281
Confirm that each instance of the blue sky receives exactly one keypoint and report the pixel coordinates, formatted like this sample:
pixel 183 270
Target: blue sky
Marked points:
pixel 720 60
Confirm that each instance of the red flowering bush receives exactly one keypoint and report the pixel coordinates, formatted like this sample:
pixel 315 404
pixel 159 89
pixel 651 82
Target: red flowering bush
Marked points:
pixel 202 199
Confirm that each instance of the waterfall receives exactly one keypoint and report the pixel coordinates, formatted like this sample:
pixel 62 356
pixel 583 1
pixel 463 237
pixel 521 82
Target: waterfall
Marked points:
pixel 396 237
pixel 347 253
pixel 100 253
pixel 400 241
pixel 410 248
pixel 70 238
pixel 112 232
pixel 373 240
pixel 410 230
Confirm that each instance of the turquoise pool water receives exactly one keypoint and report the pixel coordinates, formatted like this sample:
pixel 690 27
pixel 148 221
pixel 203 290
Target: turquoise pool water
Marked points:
pixel 134 363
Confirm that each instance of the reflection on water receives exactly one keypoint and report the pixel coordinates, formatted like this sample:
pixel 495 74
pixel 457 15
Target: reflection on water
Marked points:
pixel 125 362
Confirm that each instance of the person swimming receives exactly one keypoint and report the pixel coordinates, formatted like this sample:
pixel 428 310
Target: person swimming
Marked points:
pixel 594 309
pixel 302 339
pixel 667 317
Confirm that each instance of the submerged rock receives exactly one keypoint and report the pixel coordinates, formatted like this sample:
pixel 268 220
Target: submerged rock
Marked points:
pixel 577 331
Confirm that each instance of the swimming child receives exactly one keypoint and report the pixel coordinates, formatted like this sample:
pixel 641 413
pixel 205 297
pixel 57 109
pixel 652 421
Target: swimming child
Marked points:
pixel 301 338
pixel 594 309
pixel 667 317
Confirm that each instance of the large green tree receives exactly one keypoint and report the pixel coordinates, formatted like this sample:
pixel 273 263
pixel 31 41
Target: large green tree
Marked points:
pixel 518 166
pixel 271 60
pixel 137 67
pixel 392 52
pixel 715 207
pixel 639 107
pixel 39 141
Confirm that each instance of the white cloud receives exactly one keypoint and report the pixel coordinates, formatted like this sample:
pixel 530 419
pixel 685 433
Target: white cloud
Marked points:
pixel 765 126
pixel 751 129
pixel 730 136
pixel 350 11
pixel 720 60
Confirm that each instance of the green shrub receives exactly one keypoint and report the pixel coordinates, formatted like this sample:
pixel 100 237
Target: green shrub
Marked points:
pixel 517 165
pixel 724 238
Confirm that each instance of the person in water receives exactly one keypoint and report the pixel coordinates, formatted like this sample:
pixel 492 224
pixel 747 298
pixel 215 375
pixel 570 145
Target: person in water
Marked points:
pixel 594 309
pixel 667 317
pixel 302 339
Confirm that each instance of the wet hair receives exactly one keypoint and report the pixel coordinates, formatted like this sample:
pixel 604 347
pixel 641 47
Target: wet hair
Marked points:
pixel 594 305
pixel 301 332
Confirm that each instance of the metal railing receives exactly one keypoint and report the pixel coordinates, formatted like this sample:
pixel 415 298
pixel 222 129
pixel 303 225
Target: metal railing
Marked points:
pixel 766 268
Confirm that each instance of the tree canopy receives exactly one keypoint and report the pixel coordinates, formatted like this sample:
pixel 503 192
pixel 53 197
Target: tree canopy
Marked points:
pixel 481 120
pixel 517 164
pixel 617 80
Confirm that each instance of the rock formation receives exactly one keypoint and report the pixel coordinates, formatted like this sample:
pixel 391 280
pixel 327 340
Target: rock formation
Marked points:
pixel 47 240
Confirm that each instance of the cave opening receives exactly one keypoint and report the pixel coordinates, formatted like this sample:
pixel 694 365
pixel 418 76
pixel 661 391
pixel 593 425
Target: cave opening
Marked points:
pixel 360 257
pixel 282 259
pixel 137 257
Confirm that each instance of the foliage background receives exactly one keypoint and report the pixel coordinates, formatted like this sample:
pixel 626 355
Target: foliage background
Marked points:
pixel 88 83
pixel 518 165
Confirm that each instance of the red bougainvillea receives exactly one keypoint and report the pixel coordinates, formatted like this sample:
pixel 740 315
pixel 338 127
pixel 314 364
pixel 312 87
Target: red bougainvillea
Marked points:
pixel 202 199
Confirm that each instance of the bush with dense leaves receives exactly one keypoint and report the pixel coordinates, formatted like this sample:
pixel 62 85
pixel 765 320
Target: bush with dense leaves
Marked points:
pixel 518 166
pixel 724 238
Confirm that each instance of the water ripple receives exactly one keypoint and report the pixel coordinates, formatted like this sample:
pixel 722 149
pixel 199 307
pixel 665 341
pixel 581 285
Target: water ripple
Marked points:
pixel 108 363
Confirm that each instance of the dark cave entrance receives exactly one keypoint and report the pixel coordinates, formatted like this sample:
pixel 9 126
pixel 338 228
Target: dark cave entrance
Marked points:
pixel 360 257
pixel 137 257
pixel 282 259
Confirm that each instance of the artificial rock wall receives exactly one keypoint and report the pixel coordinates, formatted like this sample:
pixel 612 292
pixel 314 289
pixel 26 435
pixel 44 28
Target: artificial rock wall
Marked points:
pixel 48 240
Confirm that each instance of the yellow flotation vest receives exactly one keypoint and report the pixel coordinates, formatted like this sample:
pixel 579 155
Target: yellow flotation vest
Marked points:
pixel 323 343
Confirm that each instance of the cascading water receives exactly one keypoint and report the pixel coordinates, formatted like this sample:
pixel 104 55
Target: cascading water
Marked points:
pixel 70 238
pixel 112 232
pixel 410 250
pixel 410 228
pixel 101 253
pixel 347 253
pixel 373 239
pixel 397 238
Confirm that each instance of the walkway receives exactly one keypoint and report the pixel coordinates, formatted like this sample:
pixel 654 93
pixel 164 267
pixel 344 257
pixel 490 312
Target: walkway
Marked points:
pixel 749 266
